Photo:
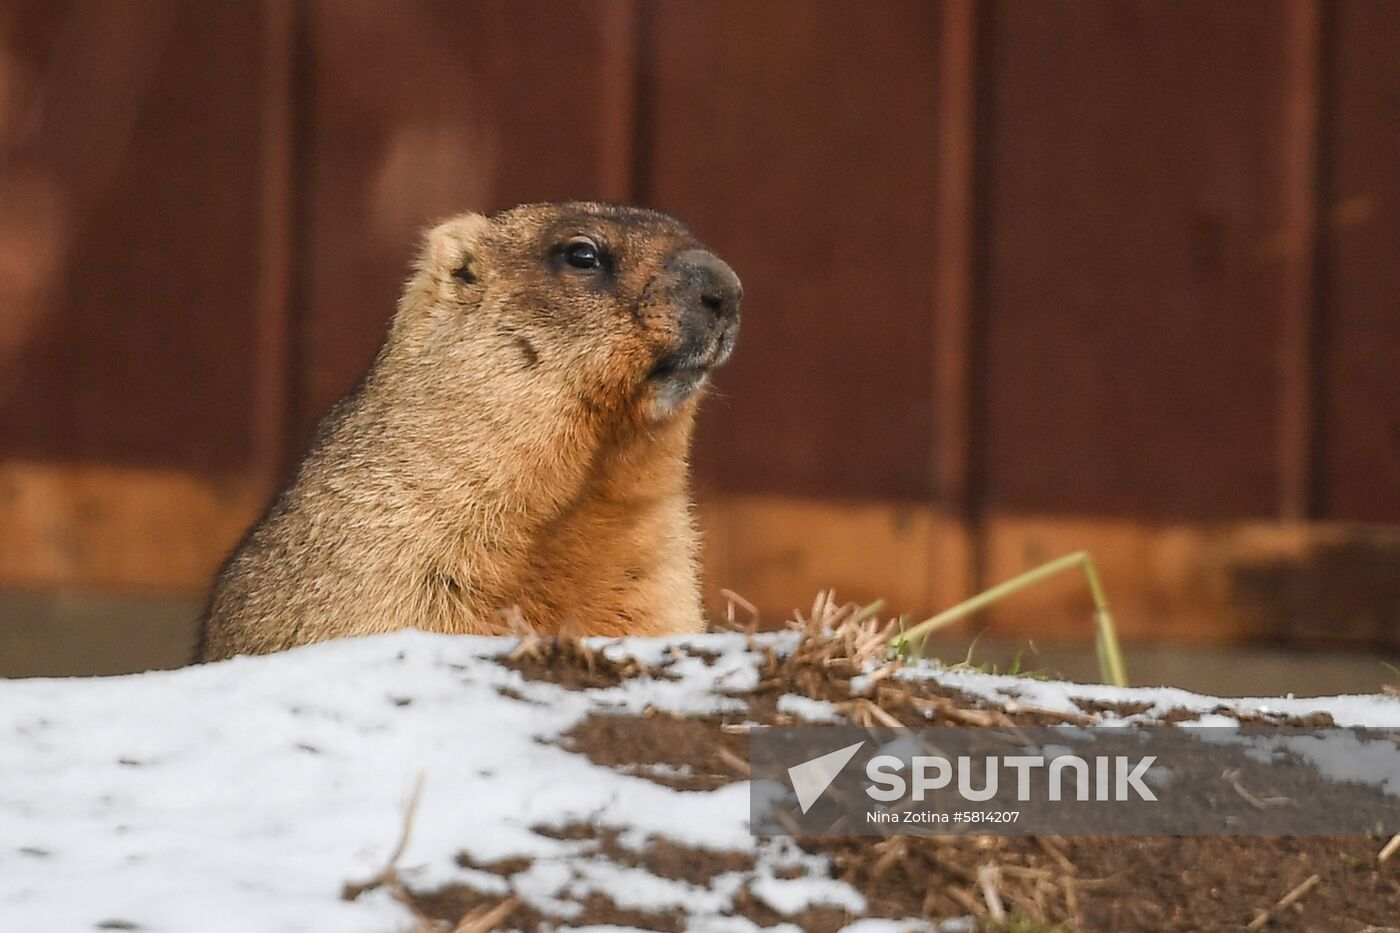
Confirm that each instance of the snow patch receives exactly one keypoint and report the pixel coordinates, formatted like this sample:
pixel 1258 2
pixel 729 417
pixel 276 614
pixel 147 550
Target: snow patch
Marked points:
pixel 243 795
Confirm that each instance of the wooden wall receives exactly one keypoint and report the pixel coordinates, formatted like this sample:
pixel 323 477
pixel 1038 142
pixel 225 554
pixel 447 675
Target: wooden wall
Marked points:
pixel 1021 278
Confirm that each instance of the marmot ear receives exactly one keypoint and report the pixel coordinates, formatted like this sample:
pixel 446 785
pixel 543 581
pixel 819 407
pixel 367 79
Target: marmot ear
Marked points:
pixel 451 246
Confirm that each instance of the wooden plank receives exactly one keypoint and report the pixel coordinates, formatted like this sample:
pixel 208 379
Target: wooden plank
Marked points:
pixel 804 147
pixel 111 526
pixel 779 552
pixel 1202 583
pixel 131 190
pixel 1163 582
pixel 1205 583
pixel 1360 473
pixel 141 356
pixel 423 109
pixel 1140 196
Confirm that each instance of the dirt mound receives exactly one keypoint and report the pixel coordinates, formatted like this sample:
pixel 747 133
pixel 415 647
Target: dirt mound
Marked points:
pixel 1027 884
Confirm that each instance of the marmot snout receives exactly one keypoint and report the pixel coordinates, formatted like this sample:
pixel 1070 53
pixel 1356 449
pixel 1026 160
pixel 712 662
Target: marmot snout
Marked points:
pixel 519 442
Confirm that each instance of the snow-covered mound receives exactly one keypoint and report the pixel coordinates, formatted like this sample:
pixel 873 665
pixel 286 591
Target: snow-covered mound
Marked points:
pixel 245 795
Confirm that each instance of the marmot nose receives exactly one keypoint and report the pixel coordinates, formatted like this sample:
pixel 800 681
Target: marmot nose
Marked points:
pixel 716 285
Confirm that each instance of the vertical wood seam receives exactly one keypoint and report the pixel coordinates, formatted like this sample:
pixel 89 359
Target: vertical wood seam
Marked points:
pixel 979 381
pixel 953 299
pixel 617 172
pixel 643 126
pixel 1323 196
pixel 1299 312
pixel 300 417
pixel 278 153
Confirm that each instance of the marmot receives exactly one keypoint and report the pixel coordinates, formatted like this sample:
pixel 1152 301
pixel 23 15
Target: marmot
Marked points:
pixel 521 440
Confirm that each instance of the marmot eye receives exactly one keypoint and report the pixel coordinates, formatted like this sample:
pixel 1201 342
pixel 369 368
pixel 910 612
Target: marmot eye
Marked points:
pixel 583 253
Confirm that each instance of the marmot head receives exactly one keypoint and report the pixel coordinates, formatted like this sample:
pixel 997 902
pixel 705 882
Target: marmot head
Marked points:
pixel 618 310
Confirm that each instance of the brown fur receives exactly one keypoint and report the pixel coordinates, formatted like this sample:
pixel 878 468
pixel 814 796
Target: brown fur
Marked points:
pixel 521 440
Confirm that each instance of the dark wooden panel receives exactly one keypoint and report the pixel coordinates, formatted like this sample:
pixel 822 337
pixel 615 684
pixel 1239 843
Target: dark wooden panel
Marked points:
pixel 130 233
pixel 802 145
pixel 1143 250
pixel 424 109
pixel 1361 402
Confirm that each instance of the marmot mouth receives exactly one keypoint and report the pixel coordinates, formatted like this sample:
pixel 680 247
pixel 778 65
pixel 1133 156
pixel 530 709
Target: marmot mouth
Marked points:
pixel 690 364
pixel 674 369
